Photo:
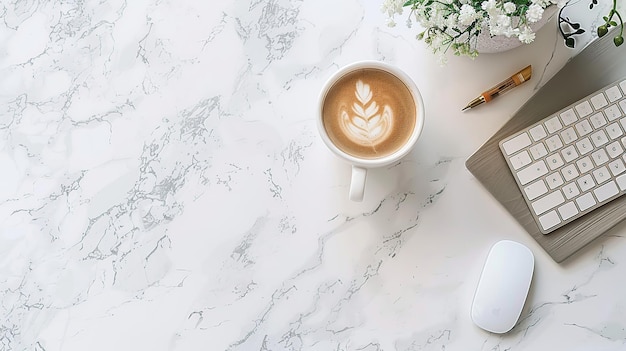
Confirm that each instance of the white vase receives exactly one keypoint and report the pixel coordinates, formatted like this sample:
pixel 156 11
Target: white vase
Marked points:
pixel 487 44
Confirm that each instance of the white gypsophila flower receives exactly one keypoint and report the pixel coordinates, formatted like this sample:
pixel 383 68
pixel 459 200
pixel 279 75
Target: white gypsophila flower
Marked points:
pixel 503 21
pixel 496 30
pixel 511 32
pixel 419 13
pixel 439 16
pixel 534 13
pixel 453 20
pixel 423 19
pixel 509 7
pixel 392 7
pixel 428 16
pixel 526 35
pixel 467 15
pixel 499 23
pixel 437 41
pixel 489 6
pixel 420 16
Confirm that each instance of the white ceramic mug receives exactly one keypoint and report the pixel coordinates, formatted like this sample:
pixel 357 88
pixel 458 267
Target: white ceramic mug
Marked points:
pixel 361 165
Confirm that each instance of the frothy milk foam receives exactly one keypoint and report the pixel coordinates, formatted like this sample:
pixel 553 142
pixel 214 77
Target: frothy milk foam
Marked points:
pixel 369 113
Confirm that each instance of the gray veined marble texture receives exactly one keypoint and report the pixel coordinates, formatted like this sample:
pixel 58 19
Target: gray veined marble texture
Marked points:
pixel 163 187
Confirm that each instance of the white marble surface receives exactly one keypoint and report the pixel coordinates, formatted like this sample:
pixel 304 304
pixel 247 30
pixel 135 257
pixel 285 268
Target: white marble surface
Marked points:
pixel 163 187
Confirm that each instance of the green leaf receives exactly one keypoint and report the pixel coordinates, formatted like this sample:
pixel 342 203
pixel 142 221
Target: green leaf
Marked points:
pixel 570 42
pixel 408 3
pixel 613 23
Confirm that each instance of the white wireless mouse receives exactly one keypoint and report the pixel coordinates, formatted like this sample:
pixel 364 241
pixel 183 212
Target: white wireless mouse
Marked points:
pixel 503 286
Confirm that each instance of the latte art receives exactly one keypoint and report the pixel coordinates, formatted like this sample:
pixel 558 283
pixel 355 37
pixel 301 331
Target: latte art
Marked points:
pixel 369 113
pixel 367 124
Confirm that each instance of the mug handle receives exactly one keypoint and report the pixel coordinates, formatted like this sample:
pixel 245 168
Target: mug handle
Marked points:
pixel 357 184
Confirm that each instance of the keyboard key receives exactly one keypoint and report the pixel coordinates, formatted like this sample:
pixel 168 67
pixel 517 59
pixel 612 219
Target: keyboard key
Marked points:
pixel 553 125
pixel 617 167
pixel 623 86
pixel 554 161
pixel 613 112
pixel 601 175
pixel 583 128
pixel 571 190
pixel 614 149
pixel 606 191
pixel 568 211
pixel 535 189
pixel 614 131
pixel 621 182
pixel 532 172
pixel 586 201
pixel 584 165
pixel 585 182
pixel 554 180
pixel 622 104
pixel 516 144
pixel 598 101
pixel 613 93
pixel 568 117
pixel 548 202
pixel 597 120
pixel 600 157
pixel 569 153
pixel 622 121
pixel 584 109
pixel 599 138
pixel 569 135
pixel 537 132
pixel 554 143
pixel 549 220
pixel 520 160
pixel 538 151
pixel 569 172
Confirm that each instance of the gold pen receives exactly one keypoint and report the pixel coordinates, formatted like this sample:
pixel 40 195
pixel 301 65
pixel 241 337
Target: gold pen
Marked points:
pixel 515 80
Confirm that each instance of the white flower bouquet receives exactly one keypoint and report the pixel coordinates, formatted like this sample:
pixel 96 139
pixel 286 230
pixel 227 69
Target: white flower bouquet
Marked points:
pixel 457 24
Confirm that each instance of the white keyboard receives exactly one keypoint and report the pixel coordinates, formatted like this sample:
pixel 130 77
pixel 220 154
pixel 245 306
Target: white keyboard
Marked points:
pixel 573 161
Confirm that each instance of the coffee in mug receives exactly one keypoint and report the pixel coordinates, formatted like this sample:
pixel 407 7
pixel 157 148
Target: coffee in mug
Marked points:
pixel 371 115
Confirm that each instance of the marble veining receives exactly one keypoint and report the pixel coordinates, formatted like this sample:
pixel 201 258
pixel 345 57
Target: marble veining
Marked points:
pixel 163 187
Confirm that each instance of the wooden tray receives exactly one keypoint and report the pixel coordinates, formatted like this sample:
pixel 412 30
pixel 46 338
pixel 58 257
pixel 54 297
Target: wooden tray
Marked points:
pixel 597 65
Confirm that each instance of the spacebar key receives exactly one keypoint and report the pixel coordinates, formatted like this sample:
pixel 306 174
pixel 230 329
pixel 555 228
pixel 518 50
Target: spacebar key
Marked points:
pixel 532 172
